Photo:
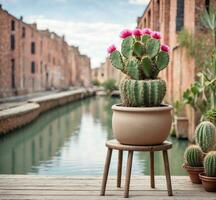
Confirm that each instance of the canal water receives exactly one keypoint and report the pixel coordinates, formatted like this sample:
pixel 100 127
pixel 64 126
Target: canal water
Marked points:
pixel 70 141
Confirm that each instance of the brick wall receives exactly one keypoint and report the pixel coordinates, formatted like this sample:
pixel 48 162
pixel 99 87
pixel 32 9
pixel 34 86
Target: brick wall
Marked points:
pixel 181 70
pixel 40 60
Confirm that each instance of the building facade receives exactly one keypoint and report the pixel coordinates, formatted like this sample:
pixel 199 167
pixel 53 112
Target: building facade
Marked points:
pixel 33 60
pixel 170 17
pixel 106 71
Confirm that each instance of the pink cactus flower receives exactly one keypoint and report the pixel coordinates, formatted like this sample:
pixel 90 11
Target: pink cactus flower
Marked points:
pixel 125 33
pixel 164 48
pixel 111 48
pixel 137 32
pixel 156 35
pixel 147 31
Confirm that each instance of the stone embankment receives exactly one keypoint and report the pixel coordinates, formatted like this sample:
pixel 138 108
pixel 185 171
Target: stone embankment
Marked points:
pixel 21 115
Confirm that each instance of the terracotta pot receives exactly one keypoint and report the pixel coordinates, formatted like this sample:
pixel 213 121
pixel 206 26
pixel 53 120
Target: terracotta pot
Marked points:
pixel 181 126
pixel 209 183
pixel 194 173
pixel 141 125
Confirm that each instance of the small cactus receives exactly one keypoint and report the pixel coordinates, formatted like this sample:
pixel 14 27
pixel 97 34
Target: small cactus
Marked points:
pixel 142 93
pixel 210 164
pixel 193 156
pixel 142 57
pixel 206 136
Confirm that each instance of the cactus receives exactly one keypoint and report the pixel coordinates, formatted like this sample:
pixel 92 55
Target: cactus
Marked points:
pixel 152 47
pixel 193 156
pixel 162 60
pixel 141 59
pixel 210 164
pixel 142 93
pixel 139 49
pixel 146 66
pixel 145 38
pixel 206 135
pixel 127 47
pixel 132 69
pixel 116 60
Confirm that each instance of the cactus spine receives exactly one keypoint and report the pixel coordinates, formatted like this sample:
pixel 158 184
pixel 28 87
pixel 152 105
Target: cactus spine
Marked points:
pixel 142 93
pixel 206 135
pixel 193 156
pixel 210 164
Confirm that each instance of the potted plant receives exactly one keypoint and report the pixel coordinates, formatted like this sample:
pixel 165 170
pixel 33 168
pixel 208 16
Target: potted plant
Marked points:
pixel 209 176
pixel 180 120
pixel 141 119
pixel 194 163
pixel 205 137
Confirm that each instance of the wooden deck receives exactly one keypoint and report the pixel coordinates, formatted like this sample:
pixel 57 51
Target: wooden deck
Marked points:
pixel 88 188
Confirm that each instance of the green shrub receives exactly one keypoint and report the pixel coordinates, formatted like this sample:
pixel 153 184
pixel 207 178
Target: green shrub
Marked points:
pixel 95 82
pixel 109 85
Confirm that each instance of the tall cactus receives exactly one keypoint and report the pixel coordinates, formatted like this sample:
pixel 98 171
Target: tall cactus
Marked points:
pixel 141 59
pixel 193 156
pixel 210 164
pixel 206 136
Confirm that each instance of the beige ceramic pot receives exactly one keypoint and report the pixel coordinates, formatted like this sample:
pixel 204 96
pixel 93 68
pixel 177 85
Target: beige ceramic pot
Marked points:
pixel 181 127
pixel 141 125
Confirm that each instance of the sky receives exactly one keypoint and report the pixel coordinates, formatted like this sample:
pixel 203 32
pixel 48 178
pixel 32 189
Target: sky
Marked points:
pixel 92 25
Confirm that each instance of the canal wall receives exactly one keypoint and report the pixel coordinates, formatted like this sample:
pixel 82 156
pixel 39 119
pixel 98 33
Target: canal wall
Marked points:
pixel 19 116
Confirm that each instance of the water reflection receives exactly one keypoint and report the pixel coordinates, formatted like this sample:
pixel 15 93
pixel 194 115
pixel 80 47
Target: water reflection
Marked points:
pixel 70 141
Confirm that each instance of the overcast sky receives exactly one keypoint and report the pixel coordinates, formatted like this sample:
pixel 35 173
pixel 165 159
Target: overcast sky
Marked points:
pixel 90 24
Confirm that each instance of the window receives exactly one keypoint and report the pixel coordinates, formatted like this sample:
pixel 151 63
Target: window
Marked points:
pixel 32 67
pixel 180 15
pixel 149 19
pixel 33 47
pixel 207 3
pixel 12 25
pixel 13 84
pixel 12 42
pixel 23 32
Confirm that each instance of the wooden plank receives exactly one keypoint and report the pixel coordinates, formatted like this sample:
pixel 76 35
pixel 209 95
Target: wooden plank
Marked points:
pixel 18 197
pixel 33 187
pixel 153 193
pixel 78 177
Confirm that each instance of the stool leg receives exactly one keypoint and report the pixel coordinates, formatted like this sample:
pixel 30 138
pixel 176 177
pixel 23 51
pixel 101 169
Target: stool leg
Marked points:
pixel 152 169
pixel 106 171
pixel 128 173
pixel 119 172
pixel 167 173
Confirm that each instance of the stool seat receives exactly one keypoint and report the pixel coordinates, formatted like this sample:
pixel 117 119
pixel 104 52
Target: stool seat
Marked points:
pixel 114 144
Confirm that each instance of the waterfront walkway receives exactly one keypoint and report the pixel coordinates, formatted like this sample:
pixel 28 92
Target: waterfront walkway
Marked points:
pixel 36 187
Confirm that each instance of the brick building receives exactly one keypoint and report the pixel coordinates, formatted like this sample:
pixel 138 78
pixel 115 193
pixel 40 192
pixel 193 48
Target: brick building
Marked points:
pixel 169 17
pixel 34 60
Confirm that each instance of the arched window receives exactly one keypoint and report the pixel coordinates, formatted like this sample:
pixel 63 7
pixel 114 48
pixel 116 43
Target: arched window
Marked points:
pixel 180 15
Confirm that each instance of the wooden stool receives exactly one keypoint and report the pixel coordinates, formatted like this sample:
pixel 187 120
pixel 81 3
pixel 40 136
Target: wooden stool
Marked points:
pixel 114 144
